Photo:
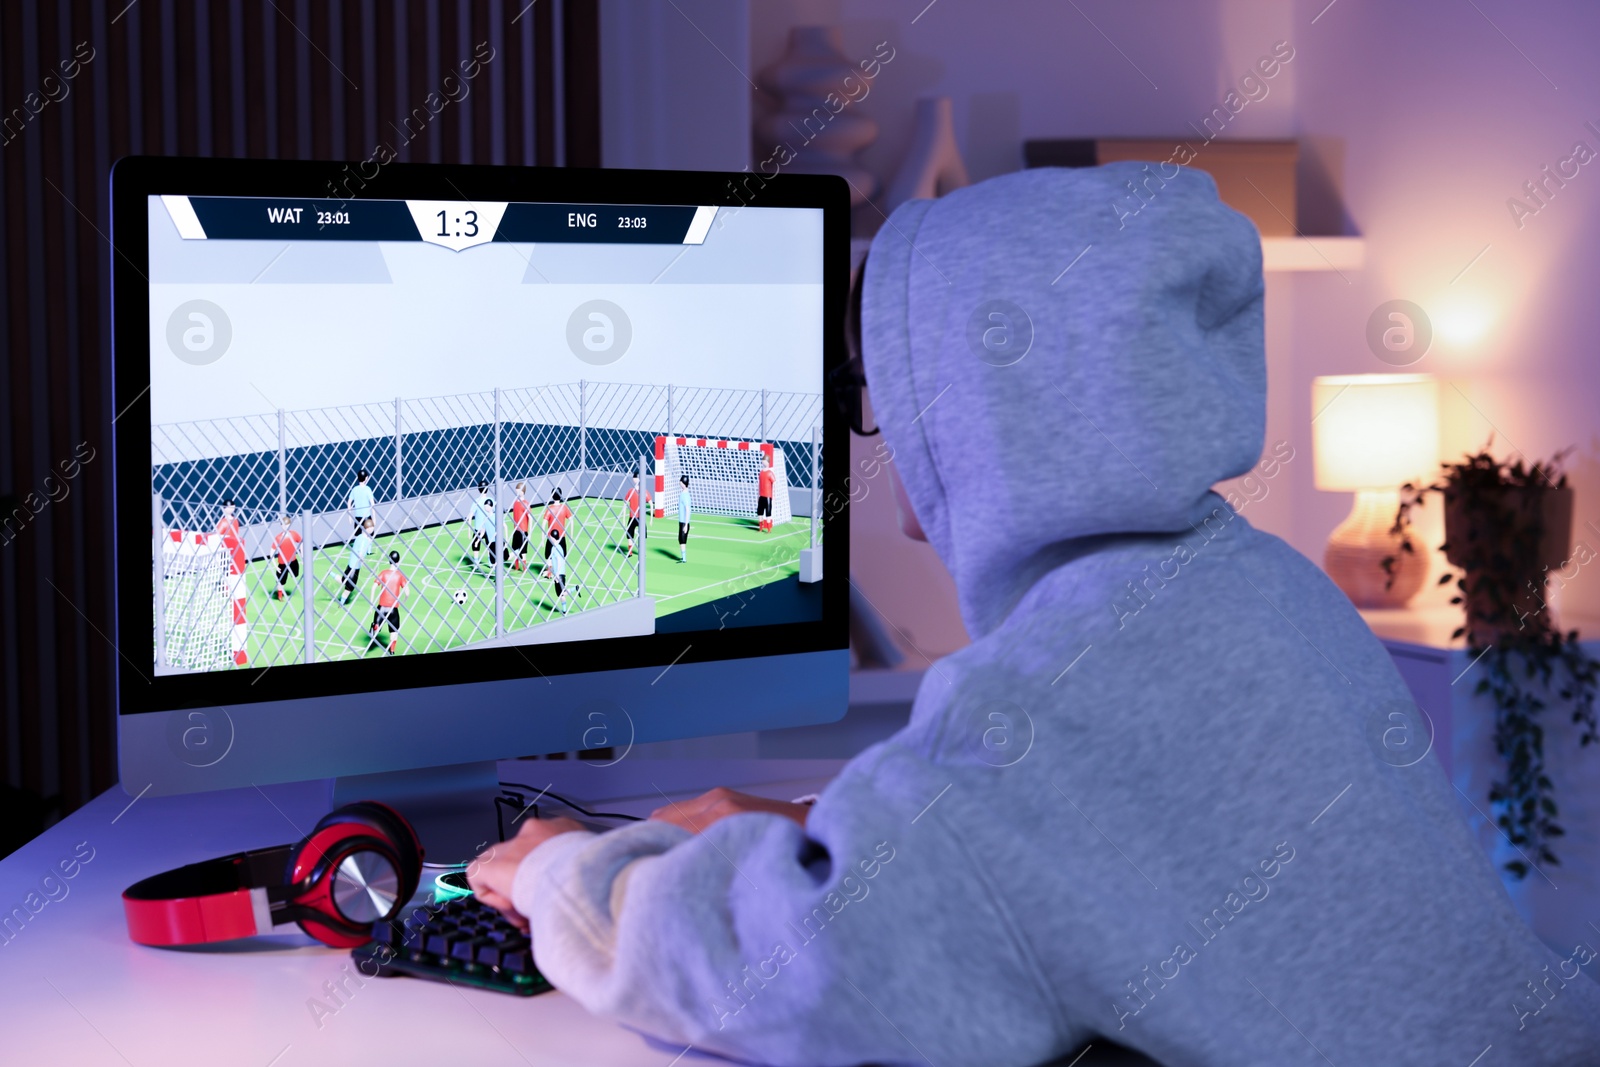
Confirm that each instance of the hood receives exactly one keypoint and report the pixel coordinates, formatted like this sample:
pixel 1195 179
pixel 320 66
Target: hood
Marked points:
pixel 1061 359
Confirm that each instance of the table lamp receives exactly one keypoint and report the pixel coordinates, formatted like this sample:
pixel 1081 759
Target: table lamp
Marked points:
pixel 1370 434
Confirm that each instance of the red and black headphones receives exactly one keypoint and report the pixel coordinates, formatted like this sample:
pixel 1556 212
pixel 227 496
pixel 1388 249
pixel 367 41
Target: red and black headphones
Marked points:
pixel 359 865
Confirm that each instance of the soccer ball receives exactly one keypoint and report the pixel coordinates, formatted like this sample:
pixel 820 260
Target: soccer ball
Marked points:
pixel 460 597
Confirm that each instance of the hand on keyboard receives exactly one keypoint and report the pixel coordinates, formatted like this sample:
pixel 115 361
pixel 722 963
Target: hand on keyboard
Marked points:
pixel 493 872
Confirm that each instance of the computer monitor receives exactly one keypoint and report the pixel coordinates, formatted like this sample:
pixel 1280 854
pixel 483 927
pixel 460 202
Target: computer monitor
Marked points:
pixel 424 466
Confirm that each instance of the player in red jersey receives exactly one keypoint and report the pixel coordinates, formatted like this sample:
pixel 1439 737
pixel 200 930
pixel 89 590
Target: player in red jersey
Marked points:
pixel 521 527
pixel 633 511
pixel 557 520
pixel 764 497
pixel 286 543
pixel 232 539
pixel 228 525
pixel 391 583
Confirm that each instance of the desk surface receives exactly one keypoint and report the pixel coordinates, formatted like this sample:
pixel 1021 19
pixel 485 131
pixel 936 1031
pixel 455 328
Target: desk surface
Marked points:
pixel 74 989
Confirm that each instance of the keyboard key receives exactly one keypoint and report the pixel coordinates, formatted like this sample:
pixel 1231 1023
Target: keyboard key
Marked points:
pixel 459 941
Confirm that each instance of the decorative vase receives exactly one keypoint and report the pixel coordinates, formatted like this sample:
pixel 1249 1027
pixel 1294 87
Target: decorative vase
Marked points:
pixel 933 165
pixel 1531 528
pixel 817 130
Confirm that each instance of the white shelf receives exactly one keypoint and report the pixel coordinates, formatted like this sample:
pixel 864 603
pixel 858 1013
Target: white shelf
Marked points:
pixel 1277 253
pixel 1430 629
pixel 1313 253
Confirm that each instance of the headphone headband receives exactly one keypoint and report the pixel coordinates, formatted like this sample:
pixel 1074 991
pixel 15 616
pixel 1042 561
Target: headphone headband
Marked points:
pixel 213 900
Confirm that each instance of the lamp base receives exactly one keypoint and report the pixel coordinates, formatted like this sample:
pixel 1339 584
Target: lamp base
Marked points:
pixel 1359 545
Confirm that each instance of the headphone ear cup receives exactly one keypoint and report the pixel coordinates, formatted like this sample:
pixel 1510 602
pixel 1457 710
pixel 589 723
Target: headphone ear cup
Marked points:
pixel 368 829
pixel 408 848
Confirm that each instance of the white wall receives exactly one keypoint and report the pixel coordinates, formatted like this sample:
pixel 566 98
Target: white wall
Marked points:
pixel 673 93
pixel 743 310
pixel 312 346
pixel 1015 71
pixel 1416 123
pixel 1437 120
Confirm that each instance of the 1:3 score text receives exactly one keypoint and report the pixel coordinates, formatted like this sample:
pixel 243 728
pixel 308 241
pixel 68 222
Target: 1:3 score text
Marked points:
pixel 471 218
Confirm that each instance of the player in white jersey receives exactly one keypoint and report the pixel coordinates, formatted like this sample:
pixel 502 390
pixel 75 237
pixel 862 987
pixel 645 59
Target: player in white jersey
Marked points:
pixel 360 501
pixel 556 567
pixel 684 518
pixel 360 549
pixel 483 524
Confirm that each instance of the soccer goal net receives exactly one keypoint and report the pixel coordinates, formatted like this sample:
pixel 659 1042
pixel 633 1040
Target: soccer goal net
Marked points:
pixel 203 626
pixel 462 488
pixel 723 476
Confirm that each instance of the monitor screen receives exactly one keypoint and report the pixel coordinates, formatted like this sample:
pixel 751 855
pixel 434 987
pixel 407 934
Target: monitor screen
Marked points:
pixel 395 429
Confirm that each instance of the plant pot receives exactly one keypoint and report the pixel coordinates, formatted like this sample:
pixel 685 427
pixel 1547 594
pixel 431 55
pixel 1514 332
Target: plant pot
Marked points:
pixel 1505 540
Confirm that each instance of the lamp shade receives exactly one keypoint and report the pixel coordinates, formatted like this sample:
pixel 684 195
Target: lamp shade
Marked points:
pixel 1373 431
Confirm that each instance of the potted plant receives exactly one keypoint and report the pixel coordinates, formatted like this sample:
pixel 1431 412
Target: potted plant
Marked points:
pixel 1506 525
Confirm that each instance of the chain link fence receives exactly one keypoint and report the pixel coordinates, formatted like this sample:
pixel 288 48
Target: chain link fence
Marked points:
pixel 454 538
pixel 817 506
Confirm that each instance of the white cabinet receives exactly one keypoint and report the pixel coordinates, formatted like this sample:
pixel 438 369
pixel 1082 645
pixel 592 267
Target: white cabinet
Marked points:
pixel 1561 902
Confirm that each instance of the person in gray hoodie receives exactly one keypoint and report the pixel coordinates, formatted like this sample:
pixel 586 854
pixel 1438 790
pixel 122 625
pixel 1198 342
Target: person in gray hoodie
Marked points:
pixel 1156 800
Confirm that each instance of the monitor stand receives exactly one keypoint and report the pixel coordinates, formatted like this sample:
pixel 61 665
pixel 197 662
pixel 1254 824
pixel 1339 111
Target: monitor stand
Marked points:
pixel 452 808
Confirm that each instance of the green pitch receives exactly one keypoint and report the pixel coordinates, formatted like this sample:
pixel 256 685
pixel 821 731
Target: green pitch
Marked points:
pixel 726 556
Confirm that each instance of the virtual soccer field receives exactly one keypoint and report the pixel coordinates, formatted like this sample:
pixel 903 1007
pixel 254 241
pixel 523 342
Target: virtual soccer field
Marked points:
pixel 450 602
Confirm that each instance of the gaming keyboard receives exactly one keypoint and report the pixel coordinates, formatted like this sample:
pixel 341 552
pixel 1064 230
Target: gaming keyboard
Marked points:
pixel 457 940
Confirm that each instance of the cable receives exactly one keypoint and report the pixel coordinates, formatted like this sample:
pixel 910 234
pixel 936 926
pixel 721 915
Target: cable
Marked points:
pixel 558 798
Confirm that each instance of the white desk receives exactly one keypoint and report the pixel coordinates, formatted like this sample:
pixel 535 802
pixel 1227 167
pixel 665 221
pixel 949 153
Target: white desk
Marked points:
pixel 74 989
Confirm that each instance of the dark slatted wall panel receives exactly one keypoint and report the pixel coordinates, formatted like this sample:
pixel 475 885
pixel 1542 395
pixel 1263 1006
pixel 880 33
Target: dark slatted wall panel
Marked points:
pixel 83 82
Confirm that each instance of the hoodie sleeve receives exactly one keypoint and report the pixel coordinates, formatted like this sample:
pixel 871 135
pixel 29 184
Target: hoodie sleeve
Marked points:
pixel 765 941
